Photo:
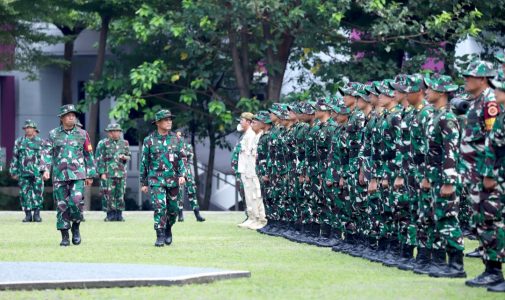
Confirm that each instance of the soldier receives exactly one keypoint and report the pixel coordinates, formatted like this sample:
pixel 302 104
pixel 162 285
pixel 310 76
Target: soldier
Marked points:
pixel 441 178
pixel 69 156
pixel 189 187
pixel 112 155
pixel 234 165
pixel 494 180
pixel 25 167
pixel 480 117
pixel 263 122
pixel 2 158
pixel 162 169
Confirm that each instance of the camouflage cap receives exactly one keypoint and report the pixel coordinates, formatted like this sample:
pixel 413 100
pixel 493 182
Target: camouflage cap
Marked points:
pixel 162 114
pixel 500 57
pixel 324 104
pixel 385 88
pixel 294 107
pixel 398 84
pixel 414 83
pixel 341 109
pixel 67 108
pixel 363 93
pixel 480 68
pixel 350 88
pixel 371 87
pixel 441 83
pixel 498 83
pixel 275 109
pixel 113 126
pixel 263 116
pixel 30 123
pixel 284 112
pixel 306 108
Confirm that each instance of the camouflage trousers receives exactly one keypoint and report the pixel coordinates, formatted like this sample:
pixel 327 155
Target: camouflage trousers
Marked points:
pixel 69 199
pixel 164 202
pixel 266 194
pixel 358 203
pixel 406 211
pixel 31 192
pixel 112 192
pixel 447 230
pixel 374 216
pixel 387 221
pixel 240 187
pixel 278 196
pixel 425 220
pixel 306 214
pixel 189 190
pixel 316 199
pixel 290 201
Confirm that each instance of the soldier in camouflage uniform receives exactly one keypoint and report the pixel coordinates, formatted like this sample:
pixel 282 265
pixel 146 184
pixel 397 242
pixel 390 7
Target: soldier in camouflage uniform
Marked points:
pixel 25 167
pixel 262 160
pixel 480 117
pixel 68 154
pixel 2 158
pixel 493 238
pixel 162 170
pixel 190 186
pixel 234 165
pixel 112 155
pixel 441 178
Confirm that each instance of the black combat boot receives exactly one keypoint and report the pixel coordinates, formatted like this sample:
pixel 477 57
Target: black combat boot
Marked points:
pixel 108 218
pixel 180 216
pixel 382 246
pixel 325 238
pixel 295 232
pixel 314 234
pixel 454 268
pixel 119 216
pixel 407 260
pixel 361 245
pixel 349 242
pixel 477 253
pixel 198 217
pixel 392 257
pixel 64 238
pixel 497 288
pixel 160 238
pixel 36 215
pixel 492 275
pixel 76 235
pixel 28 216
pixel 371 248
pixel 168 235
pixel 424 261
pixel 438 262
pixel 267 227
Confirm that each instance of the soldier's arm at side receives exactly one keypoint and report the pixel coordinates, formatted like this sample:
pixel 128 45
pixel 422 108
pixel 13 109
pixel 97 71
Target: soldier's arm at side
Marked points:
pixel 89 160
pixel 450 135
pixel 14 168
pixel 144 164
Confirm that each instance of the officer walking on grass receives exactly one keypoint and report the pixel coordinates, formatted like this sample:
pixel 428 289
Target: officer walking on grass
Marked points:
pixel 69 156
pixel 162 172
pixel 25 167
pixel 112 155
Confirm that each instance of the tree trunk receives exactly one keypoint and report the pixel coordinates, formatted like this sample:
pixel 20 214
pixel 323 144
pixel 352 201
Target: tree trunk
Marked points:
pixel 238 65
pixel 71 35
pixel 97 74
pixel 210 166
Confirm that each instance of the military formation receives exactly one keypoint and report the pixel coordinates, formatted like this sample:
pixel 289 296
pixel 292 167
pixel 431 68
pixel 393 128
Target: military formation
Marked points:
pixel 395 171
pixel 67 155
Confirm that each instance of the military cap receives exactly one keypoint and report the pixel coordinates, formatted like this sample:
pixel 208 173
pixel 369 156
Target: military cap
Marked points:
pixel 500 57
pixel 323 104
pixel 246 115
pixel 385 88
pixel 162 114
pixel 67 108
pixel 371 87
pixel 363 93
pixel 341 109
pixel 498 83
pixel 441 83
pixel 480 68
pixel 398 84
pixel 306 108
pixel 263 116
pixel 294 107
pixel 112 127
pixel 351 88
pixel 413 83
pixel 30 123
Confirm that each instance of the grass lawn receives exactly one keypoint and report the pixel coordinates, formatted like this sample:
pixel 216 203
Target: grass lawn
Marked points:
pixel 280 269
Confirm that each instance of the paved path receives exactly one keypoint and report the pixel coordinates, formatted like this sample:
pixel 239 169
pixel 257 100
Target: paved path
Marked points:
pixel 52 275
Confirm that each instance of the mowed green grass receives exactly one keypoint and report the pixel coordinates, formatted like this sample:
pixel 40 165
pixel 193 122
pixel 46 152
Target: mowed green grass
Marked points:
pixel 280 269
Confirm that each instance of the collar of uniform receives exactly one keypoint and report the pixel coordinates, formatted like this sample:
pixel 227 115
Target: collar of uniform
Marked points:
pixel 70 131
pixel 158 135
pixel 420 106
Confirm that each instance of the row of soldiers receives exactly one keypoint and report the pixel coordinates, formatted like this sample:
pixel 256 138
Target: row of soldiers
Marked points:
pixel 68 154
pixel 385 168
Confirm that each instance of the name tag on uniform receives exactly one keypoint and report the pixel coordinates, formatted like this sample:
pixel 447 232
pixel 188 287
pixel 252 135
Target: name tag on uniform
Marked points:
pixel 171 157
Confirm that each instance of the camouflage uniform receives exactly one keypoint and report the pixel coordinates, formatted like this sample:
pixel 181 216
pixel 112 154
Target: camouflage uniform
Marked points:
pixel 161 166
pixel 70 156
pixel 25 165
pixel 3 157
pixel 480 118
pixel 189 186
pixel 492 235
pixel 108 162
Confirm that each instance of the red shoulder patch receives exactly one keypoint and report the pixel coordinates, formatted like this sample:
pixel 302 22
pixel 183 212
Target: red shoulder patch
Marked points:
pixel 491 110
